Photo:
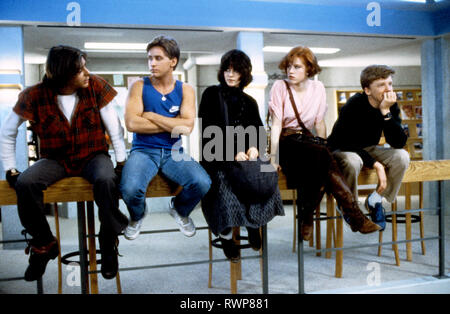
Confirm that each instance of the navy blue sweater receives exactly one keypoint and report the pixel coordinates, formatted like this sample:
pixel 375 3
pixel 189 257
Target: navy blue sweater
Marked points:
pixel 360 125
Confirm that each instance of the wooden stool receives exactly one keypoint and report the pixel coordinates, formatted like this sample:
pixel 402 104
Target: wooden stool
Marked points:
pixel 92 252
pixel 235 266
pixel 408 220
pixel 316 227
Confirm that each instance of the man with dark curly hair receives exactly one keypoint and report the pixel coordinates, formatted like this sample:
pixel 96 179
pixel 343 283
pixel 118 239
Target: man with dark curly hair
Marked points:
pixel 70 112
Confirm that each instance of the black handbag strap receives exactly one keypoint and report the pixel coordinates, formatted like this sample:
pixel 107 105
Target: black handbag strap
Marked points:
pixel 300 122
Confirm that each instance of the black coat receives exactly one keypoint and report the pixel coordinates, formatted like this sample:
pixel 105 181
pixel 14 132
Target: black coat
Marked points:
pixel 242 111
pixel 221 207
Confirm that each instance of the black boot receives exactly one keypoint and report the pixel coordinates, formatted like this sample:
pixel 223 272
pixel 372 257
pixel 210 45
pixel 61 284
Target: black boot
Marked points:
pixel 254 238
pixel 39 257
pixel 108 249
pixel 230 249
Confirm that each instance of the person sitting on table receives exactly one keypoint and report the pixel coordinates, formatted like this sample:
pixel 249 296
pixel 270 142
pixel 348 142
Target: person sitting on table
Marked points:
pixel 222 207
pixel 309 166
pixel 70 110
pixel 159 110
pixel 357 132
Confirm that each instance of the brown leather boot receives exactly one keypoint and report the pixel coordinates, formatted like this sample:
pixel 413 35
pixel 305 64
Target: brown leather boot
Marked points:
pixel 346 201
pixel 358 221
pixel 307 225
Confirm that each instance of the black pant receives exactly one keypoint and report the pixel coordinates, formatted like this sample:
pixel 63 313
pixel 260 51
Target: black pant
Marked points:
pixel 99 171
pixel 306 168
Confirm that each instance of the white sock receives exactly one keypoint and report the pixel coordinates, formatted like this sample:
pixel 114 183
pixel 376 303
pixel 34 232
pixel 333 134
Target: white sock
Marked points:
pixel 228 236
pixel 374 198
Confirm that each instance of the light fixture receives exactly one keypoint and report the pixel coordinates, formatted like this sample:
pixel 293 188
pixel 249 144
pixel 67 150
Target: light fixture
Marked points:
pixel 11 87
pixel 286 49
pixel 8 71
pixel 115 46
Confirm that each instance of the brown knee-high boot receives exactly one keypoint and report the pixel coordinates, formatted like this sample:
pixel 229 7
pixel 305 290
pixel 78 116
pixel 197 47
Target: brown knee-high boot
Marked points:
pixel 348 204
pixel 308 215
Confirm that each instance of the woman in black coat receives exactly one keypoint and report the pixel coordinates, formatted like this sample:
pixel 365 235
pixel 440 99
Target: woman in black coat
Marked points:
pixel 227 105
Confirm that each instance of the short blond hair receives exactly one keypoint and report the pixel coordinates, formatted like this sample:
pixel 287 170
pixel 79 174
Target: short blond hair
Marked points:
pixel 375 72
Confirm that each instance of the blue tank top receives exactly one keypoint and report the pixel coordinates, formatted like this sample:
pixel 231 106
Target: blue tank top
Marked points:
pixel 165 105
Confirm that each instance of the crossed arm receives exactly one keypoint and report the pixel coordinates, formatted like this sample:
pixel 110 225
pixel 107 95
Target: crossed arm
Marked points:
pixel 138 121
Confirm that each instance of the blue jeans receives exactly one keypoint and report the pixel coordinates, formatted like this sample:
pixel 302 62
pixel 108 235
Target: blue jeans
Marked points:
pixel 144 164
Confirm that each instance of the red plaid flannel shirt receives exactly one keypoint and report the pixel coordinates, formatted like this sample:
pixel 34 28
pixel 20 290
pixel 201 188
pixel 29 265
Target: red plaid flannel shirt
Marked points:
pixel 72 145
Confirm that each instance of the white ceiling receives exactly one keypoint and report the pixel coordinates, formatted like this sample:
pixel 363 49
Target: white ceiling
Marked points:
pixel 355 50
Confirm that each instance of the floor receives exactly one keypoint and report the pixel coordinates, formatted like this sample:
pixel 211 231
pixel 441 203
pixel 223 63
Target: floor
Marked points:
pixel 363 270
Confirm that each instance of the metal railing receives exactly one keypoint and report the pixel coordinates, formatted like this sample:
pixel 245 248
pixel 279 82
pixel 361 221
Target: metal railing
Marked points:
pixel 440 238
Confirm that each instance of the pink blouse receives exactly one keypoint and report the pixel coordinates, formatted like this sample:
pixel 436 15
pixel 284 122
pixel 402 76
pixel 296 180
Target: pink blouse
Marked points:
pixel 311 110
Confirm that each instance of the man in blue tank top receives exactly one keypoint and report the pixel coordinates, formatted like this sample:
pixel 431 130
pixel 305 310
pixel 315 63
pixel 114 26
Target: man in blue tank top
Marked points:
pixel 160 109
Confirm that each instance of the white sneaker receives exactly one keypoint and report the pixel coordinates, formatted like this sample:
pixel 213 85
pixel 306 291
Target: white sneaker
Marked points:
pixel 134 228
pixel 185 224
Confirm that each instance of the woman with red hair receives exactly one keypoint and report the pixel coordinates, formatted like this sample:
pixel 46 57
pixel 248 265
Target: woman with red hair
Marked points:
pixel 298 105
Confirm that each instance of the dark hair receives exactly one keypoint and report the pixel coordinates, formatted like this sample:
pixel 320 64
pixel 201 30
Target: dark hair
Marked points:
pixel 63 63
pixel 239 62
pixel 307 56
pixel 374 72
pixel 168 44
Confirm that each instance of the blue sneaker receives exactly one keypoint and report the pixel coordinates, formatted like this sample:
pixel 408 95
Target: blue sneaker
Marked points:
pixel 376 213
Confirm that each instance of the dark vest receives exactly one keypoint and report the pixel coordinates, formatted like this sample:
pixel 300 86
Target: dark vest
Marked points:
pixel 72 145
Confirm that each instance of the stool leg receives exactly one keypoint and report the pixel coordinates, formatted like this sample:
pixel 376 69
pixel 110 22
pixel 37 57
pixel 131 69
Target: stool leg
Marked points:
pixel 92 248
pixel 234 270
pixel 264 256
pixel 237 240
pixel 339 244
pixel 58 239
pixel 330 224
pixel 380 240
pixel 235 267
pixel 394 233
pixel 261 261
pixel 318 240
pixel 408 221
pixel 118 284
pixel 210 259
pixel 81 215
pixel 294 211
pixel 422 231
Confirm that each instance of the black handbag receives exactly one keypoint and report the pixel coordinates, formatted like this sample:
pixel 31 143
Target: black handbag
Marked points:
pixel 252 181
pixel 304 135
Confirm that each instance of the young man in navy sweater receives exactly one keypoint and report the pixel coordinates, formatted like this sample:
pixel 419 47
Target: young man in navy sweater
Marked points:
pixel 357 132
